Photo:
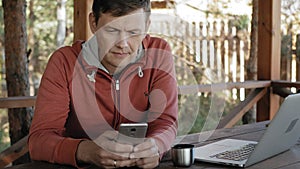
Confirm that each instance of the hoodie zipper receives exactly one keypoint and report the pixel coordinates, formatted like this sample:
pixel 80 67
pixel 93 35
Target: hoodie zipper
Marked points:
pixel 117 103
pixel 117 96
pixel 117 85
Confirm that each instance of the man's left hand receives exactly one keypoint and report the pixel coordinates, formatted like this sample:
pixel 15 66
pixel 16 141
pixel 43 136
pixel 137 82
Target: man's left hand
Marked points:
pixel 147 153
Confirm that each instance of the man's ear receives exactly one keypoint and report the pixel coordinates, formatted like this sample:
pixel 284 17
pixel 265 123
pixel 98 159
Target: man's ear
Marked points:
pixel 92 22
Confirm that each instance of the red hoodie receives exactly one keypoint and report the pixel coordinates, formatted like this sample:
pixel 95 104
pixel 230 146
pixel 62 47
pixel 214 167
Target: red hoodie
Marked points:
pixel 79 101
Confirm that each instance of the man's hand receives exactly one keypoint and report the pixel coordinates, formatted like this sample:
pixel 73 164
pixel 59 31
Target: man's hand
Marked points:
pixel 105 152
pixel 146 153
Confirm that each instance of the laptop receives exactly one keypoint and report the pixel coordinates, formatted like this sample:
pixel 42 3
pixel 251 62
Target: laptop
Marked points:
pixel 283 132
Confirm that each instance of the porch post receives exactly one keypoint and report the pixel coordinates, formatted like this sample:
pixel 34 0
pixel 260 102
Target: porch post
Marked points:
pixel 268 56
pixel 82 9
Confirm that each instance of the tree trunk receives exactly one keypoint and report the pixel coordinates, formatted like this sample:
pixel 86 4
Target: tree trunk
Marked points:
pixel 16 63
pixel 31 43
pixel 61 25
pixel 251 65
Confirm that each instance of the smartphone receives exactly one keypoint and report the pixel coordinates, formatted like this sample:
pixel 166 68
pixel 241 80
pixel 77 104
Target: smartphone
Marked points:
pixel 132 133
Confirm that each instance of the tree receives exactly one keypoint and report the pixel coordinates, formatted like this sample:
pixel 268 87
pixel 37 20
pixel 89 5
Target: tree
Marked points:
pixel 43 25
pixel 16 63
pixel 61 25
pixel 251 62
pixel 290 15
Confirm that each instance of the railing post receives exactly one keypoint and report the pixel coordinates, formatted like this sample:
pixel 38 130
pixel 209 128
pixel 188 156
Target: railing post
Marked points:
pixel 268 58
pixel 82 9
pixel 298 57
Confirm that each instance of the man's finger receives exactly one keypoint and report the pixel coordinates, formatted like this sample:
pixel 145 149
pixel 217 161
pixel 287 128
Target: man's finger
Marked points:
pixel 149 143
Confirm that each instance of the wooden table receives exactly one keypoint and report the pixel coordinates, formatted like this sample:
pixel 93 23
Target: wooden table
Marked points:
pixel 286 160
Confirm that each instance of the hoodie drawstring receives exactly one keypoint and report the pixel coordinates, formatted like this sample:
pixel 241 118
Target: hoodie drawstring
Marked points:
pixel 91 76
pixel 140 72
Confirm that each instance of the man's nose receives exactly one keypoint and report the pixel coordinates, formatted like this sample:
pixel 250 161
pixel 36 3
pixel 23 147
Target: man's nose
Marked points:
pixel 123 41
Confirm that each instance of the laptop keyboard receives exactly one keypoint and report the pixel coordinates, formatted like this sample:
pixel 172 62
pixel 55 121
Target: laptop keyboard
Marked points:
pixel 238 154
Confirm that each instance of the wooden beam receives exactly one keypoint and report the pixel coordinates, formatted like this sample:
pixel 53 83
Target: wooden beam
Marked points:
pixel 82 8
pixel 17 102
pixel 237 113
pixel 13 152
pixel 192 89
pixel 284 83
pixel 282 92
pixel 268 63
pixel 162 4
pixel 283 87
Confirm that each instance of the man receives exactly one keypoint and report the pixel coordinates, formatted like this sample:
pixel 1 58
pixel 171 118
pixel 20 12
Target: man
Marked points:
pixel 121 75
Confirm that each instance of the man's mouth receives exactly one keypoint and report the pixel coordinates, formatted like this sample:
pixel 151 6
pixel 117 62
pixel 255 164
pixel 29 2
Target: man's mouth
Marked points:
pixel 120 54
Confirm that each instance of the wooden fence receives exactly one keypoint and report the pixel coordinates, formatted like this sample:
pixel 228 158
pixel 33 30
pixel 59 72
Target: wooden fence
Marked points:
pixel 222 48
pixel 290 57
pixel 218 48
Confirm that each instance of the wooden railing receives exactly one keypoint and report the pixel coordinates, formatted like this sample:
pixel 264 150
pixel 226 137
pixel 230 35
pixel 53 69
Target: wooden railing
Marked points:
pixel 17 102
pixel 259 89
pixel 19 148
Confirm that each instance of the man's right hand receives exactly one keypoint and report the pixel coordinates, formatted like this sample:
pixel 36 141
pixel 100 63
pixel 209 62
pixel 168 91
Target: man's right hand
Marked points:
pixel 105 152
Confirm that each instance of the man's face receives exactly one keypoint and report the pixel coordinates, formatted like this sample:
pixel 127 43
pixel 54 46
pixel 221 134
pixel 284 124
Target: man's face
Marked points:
pixel 119 38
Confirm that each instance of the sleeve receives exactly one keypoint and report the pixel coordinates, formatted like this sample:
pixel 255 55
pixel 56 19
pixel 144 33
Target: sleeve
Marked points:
pixel 47 140
pixel 163 111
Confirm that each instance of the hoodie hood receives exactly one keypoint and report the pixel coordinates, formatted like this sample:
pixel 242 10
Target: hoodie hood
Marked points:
pixel 90 51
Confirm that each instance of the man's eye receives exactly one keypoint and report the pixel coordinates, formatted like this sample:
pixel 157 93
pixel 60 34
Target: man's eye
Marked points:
pixel 134 32
pixel 112 30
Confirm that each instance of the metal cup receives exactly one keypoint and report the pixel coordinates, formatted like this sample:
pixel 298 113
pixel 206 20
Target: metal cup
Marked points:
pixel 183 155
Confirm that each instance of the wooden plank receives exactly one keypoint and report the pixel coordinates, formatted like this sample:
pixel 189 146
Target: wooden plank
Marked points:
pixel 20 148
pixel 191 89
pixel 297 52
pixel 253 130
pixel 282 87
pixel 282 92
pixel 272 163
pixel 29 101
pixel 284 83
pixel 237 113
pixel 268 63
pixel 17 102
pixel 269 40
pixel 13 152
pixel 81 22
pixel 40 165
pixel 222 133
pixel 287 160
pixel 249 84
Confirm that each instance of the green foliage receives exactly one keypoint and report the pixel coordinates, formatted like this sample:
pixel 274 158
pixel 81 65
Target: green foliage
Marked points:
pixel 1 24
pixel 202 117
pixel 290 17
pixel 2 60
pixel 42 25
pixel 4 138
pixel 203 112
pixel 41 30
pixel 241 22
pixel 197 111
pixel 215 9
pixel 286 46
